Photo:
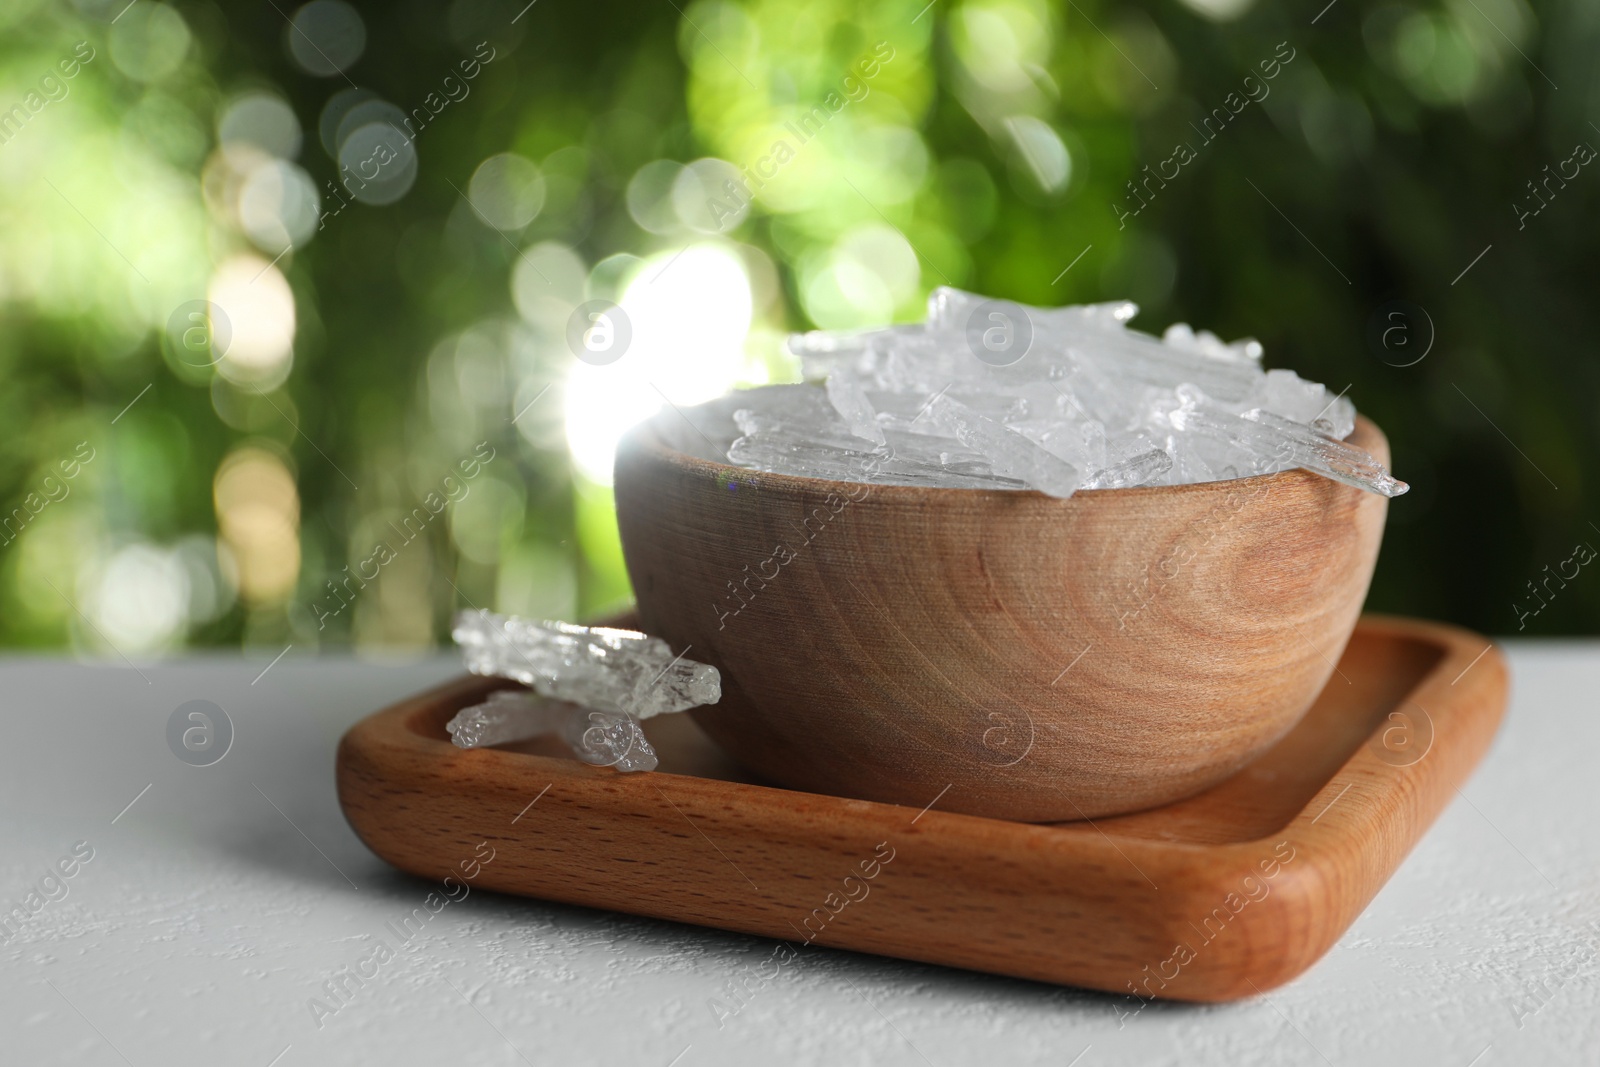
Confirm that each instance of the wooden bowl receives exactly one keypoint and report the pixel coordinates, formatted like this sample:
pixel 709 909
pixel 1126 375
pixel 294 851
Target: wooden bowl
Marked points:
pixel 1001 653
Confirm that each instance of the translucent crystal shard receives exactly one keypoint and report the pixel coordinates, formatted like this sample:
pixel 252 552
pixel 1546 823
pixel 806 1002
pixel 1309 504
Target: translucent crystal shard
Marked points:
pixel 602 669
pixel 822 352
pixel 1008 452
pixel 608 739
pixel 506 715
pixel 951 309
pixel 1328 456
pixel 850 401
pixel 602 738
pixel 1282 392
pixel 1273 440
pixel 1140 470
pixel 1206 343
pixel 786 451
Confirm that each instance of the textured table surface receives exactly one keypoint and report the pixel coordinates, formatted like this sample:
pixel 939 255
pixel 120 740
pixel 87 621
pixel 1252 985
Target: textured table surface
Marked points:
pixel 217 902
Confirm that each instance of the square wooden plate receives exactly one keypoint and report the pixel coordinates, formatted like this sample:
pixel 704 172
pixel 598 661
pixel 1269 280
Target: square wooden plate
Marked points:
pixel 1216 897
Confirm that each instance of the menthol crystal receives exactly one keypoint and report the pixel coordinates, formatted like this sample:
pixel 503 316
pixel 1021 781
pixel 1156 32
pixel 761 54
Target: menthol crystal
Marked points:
pixel 1083 403
pixel 601 669
pixel 602 738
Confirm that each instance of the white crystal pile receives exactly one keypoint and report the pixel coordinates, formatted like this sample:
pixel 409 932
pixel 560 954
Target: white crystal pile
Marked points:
pixel 591 686
pixel 991 394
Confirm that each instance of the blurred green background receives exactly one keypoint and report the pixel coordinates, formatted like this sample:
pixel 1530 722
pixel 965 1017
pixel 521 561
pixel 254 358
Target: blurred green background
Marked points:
pixel 393 309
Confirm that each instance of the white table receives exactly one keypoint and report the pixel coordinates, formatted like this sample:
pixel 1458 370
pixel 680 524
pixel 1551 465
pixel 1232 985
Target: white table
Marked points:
pixel 217 905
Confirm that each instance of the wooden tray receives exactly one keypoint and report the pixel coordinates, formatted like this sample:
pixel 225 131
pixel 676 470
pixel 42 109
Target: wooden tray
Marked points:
pixel 1220 896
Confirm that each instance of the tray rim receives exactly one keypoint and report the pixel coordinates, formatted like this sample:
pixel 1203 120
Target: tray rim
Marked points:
pixel 1313 904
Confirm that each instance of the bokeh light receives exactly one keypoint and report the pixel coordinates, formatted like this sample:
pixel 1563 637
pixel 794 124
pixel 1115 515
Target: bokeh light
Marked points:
pixel 1001 44
pixel 139 599
pixel 333 114
pixel 546 284
pixel 326 37
pixel 255 296
pixel 507 191
pixel 278 206
pixel 650 196
pixel 1042 151
pixel 708 196
pixel 149 42
pixel 863 279
pixel 377 162
pixel 690 311
pixel 262 123
pixel 258 516
pixel 1220 10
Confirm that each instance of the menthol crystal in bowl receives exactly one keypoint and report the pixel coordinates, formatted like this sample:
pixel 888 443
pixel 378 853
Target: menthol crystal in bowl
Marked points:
pixel 992 394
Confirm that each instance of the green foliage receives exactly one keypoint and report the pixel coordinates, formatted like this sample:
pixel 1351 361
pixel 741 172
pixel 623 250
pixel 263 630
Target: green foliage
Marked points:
pixel 1393 152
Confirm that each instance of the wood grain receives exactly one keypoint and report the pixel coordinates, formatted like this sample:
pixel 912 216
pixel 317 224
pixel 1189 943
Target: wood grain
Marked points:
pixel 1174 902
pixel 1051 658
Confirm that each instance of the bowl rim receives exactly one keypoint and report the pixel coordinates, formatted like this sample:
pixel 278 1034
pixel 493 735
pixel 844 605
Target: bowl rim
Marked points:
pixel 645 435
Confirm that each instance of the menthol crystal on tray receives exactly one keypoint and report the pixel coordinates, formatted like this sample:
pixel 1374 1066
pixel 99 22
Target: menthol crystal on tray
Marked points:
pixel 506 715
pixel 602 738
pixel 1081 402
pixel 602 669
pixel 608 739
